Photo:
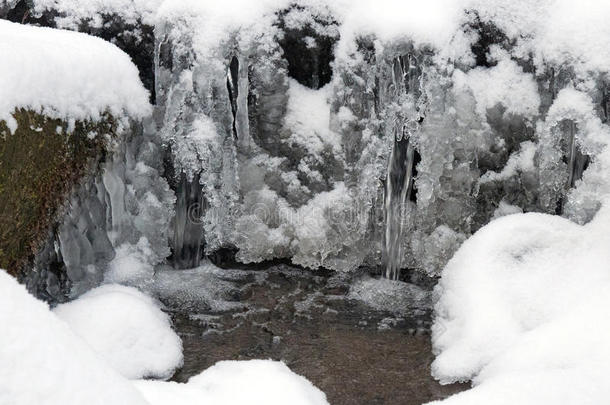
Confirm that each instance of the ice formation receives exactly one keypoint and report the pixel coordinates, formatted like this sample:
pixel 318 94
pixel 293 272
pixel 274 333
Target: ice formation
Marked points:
pixel 339 134
pixel 412 144
pixel 127 329
pixel 342 134
pixel 126 201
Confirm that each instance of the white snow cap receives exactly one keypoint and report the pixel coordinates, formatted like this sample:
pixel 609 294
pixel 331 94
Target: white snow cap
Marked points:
pixel 66 75
pixel 524 312
pixel 553 31
pixel 73 12
pixel 127 329
pixel 43 362
pixel 253 382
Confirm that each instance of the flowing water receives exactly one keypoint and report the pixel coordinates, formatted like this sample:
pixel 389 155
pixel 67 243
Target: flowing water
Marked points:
pixel 355 353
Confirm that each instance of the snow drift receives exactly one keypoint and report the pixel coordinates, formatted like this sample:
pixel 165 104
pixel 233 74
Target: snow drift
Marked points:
pixel 523 312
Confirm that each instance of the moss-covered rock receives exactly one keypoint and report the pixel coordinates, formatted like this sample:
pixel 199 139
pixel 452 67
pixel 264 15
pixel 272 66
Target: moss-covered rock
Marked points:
pixel 41 161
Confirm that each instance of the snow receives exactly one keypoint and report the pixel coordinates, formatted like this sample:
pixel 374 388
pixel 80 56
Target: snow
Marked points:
pixel 521 161
pixel 66 75
pixel 73 12
pixel 554 31
pixel 523 312
pixel 127 329
pixel 44 362
pixel 130 265
pixel 505 84
pixel 308 118
pixel 254 382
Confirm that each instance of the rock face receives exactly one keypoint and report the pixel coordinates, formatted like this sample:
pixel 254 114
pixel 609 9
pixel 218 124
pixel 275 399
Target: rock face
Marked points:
pixel 39 164
pixel 70 197
pixel 124 203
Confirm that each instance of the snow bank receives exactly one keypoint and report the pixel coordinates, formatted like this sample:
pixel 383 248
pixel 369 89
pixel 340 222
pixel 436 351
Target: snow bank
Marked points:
pixel 253 382
pixel 523 312
pixel 43 362
pixel 66 75
pixel 127 329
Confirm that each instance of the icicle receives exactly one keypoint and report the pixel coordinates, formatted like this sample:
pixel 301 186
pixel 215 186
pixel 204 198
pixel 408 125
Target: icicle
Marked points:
pixel 242 124
pixel 577 161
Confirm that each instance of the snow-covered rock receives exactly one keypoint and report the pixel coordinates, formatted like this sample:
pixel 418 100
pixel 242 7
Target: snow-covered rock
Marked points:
pixel 43 362
pixel 523 312
pixel 255 382
pixel 66 75
pixel 75 88
pixel 127 329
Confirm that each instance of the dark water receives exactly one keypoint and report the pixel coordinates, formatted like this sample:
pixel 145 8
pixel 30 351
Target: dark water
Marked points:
pixel 355 354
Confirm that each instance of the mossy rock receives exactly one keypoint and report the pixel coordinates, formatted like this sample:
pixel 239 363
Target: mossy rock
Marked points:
pixel 41 162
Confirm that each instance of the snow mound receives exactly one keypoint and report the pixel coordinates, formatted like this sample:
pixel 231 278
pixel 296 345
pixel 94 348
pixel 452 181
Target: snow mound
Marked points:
pixel 43 362
pixel 523 312
pixel 127 329
pixel 253 382
pixel 66 75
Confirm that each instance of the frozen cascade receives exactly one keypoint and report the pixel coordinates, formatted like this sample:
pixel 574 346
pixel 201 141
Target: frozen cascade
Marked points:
pixel 292 136
pixel 188 228
pixel 399 193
